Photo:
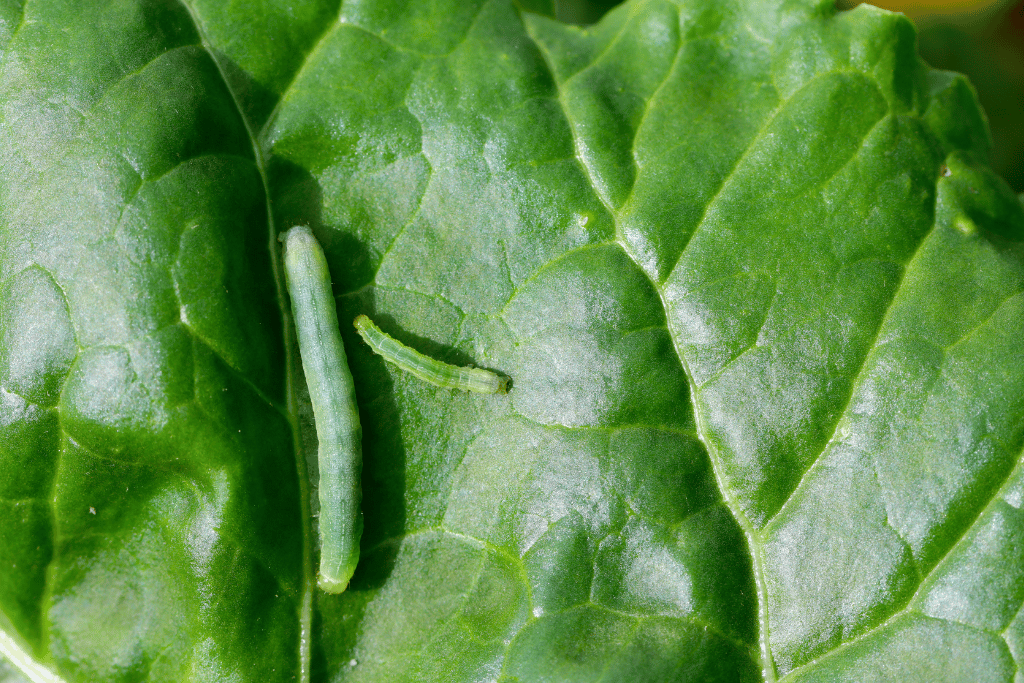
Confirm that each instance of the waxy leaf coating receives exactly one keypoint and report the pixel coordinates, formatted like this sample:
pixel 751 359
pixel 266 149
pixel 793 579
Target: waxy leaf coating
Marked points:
pixel 760 294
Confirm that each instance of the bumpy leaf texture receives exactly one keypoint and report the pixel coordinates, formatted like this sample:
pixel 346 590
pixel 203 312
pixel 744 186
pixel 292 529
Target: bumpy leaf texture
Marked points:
pixel 760 298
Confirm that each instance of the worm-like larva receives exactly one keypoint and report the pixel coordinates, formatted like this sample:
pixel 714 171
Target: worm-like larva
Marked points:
pixel 332 392
pixel 434 371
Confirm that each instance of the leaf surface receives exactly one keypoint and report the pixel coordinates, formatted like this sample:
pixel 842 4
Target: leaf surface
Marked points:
pixel 760 298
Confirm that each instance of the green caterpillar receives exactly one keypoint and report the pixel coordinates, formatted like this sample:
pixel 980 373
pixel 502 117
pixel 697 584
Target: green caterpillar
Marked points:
pixel 332 392
pixel 434 371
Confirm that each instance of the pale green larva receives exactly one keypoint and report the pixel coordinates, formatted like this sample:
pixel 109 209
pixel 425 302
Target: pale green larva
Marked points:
pixel 332 392
pixel 434 371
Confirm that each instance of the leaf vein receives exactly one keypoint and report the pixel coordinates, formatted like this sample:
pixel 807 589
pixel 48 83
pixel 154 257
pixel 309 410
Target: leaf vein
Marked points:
pixel 908 607
pixel 746 152
pixel 858 375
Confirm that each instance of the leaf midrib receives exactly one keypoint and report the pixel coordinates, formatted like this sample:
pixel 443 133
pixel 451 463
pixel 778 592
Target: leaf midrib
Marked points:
pixel 305 615
pixel 753 535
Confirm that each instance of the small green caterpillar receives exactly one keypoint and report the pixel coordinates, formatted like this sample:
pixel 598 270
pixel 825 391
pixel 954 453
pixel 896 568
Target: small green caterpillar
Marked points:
pixel 333 394
pixel 434 371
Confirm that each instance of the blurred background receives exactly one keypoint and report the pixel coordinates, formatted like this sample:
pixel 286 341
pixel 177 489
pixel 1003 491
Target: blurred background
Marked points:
pixel 981 38
pixel 984 40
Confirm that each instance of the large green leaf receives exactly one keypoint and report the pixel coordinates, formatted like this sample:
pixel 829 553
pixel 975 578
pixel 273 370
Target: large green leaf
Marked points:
pixel 761 300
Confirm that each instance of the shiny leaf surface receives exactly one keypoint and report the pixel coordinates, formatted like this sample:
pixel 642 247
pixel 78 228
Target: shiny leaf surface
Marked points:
pixel 759 295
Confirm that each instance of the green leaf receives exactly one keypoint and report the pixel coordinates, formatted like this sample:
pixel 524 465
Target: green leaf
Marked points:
pixel 759 294
pixel 11 674
pixel 987 47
